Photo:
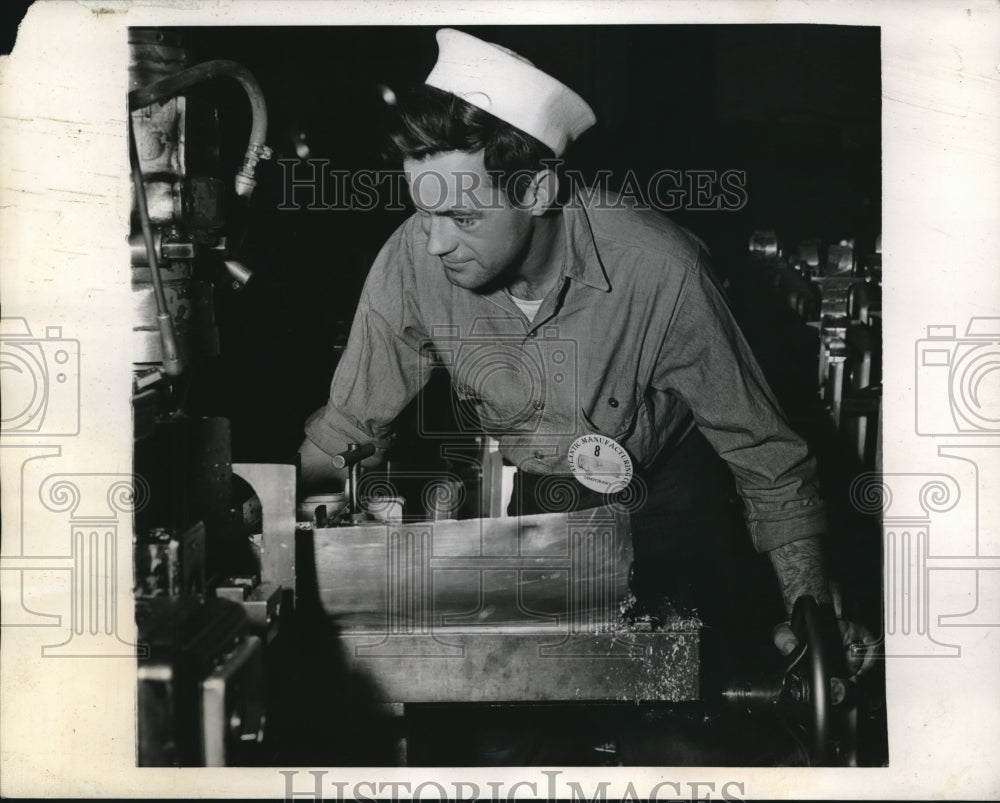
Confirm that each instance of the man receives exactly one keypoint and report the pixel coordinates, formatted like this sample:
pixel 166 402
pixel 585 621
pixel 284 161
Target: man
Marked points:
pixel 639 354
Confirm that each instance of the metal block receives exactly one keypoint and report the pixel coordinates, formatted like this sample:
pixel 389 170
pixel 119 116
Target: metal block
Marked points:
pixel 275 487
pixel 262 604
pixel 498 610
pixel 521 667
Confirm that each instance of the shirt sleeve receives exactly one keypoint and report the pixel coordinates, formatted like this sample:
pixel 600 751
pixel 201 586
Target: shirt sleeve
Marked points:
pixel 705 359
pixel 386 361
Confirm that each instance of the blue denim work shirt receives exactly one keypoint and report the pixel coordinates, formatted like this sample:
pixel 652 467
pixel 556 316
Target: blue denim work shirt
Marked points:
pixel 635 342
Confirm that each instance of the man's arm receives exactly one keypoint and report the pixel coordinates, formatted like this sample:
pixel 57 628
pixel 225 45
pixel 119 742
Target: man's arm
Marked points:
pixel 800 570
pixel 383 367
pixel 705 360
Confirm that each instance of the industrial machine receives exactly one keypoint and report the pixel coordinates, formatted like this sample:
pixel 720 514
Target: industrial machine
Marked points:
pixel 206 610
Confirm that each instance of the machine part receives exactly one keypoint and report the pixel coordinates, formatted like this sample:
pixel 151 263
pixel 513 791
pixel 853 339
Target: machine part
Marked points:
pixel 355 454
pixel 818 645
pixel 175 84
pixel 191 308
pixel 232 706
pixel 169 248
pixel 764 245
pixel 351 460
pixel 275 488
pixel 832 330
pixel 387 509
pixel 261 601
pixel 322 510
pixel 494 610
pixel 153 54
pixel 504 667
pixel 834 293
pixel 840 259
pixel 862 389
pixel 188 638
pixel 239 273
pixel 177 248
pixel 833 386
pixel 863 299
pixel 168 564
pixel 204 202
pixel 176 271
pixel 172 364
pixel 810 689
pixel 137 248
pixel 809 253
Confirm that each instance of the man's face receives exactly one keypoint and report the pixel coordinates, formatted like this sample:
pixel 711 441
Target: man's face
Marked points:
pixel 470 225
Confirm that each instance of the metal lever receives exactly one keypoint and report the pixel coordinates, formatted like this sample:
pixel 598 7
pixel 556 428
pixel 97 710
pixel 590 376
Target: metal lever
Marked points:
pixel 354 454
pixel 351 459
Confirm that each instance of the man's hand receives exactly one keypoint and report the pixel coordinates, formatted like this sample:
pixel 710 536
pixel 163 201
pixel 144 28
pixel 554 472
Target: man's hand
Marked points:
pixel 859 645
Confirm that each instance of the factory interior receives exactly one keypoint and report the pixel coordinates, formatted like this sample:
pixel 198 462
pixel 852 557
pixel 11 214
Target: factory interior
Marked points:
pixel 282 633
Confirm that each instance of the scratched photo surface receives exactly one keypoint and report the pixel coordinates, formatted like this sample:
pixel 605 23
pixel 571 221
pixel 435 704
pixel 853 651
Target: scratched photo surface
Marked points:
pixel 443 612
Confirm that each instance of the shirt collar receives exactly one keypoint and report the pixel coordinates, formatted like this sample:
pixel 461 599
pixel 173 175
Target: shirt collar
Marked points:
pixel 583 262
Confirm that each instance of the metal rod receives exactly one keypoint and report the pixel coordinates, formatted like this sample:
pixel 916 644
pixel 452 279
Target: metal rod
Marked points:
pixel 172 364
pixel 354 454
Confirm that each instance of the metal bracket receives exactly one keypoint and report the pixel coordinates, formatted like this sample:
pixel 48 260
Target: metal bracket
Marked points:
pixel 274 485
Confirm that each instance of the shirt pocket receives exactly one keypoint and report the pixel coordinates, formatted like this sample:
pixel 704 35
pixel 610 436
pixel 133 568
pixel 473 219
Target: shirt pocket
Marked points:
pixel 613 416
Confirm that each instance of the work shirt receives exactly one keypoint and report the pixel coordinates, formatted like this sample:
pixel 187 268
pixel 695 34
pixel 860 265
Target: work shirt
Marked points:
pixel 635 342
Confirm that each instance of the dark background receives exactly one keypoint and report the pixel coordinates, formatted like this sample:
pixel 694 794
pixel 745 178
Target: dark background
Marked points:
pixel 795 106
pixel 11 14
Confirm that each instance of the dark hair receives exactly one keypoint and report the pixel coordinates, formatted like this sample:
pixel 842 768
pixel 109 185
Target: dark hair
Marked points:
pixel 427 121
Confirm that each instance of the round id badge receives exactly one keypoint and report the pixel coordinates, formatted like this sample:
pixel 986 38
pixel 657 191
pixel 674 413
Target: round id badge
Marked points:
pixel 600 463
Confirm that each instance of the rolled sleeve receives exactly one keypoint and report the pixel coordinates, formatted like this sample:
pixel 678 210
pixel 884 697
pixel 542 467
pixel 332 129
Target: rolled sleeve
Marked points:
pixel 384 365
pixel 705 360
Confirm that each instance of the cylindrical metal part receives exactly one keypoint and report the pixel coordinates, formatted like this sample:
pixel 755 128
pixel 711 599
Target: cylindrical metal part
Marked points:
pixel 137 247
pixel 241 276
pixel 354 454
pixel 753 693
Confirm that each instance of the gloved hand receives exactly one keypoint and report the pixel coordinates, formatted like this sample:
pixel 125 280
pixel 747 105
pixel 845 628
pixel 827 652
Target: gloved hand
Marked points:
pixel 860 645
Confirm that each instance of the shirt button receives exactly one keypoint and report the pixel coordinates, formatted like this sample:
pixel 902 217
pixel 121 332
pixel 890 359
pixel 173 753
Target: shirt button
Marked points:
pixel 539 405
pixel 613 401
pixel 532 334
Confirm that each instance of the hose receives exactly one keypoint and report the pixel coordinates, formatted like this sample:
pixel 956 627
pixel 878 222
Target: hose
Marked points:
pixel 175 84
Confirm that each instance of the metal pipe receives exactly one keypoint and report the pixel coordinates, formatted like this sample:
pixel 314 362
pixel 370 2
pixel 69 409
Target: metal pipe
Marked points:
pixel 172 364
pixel 175 84
pixel 354 454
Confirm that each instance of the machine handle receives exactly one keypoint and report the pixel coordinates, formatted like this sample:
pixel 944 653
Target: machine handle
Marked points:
pixel 818 657
pixel 354 454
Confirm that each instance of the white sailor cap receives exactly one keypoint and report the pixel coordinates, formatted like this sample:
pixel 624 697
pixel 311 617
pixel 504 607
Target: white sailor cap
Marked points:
pixel 510 87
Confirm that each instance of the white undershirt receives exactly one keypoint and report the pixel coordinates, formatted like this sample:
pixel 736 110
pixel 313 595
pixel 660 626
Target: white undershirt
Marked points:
pixel 529 308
